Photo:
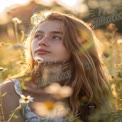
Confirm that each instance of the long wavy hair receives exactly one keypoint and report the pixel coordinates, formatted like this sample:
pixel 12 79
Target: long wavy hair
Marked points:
pixel 89 82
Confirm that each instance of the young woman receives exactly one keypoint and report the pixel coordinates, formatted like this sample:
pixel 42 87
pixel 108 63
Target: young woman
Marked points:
pixel 60 49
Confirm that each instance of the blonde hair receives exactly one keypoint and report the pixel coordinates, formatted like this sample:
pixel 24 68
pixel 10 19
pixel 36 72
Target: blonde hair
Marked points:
pixel 88 78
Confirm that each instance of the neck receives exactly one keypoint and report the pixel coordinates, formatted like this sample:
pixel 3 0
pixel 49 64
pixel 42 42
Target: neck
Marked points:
pixel 47 73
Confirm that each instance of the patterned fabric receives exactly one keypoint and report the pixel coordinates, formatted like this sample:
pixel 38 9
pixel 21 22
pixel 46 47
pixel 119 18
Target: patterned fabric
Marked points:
pixel 26 109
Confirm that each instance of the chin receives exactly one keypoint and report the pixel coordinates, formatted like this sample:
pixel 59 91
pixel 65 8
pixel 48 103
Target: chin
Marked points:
pixel 44 60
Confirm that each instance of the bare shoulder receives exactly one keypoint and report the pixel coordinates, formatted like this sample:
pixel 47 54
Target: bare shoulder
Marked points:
pixel 9 98
pixel 7 88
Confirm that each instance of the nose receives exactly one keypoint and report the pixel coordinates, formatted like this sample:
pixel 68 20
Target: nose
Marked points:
pixel 43 41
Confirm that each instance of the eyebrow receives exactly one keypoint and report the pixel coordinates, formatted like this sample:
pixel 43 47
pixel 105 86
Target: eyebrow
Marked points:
pixel 52 32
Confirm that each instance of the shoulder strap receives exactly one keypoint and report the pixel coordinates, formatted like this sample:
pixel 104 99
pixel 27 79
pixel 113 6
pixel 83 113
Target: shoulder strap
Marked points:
pixel 17 86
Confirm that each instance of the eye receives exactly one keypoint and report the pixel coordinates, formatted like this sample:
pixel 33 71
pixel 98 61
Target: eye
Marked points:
pixel 38 36
pixel 57 37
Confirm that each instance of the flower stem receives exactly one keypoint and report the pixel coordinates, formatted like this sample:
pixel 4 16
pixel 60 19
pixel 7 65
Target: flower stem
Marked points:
pixel 11 116
pixel 2 115
pixel 16 32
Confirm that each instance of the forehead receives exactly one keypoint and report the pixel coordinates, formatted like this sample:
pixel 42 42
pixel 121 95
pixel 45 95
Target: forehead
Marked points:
pixel 49 26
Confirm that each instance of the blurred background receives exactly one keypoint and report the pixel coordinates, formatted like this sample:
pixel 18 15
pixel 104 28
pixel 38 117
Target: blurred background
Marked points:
pixel 104 17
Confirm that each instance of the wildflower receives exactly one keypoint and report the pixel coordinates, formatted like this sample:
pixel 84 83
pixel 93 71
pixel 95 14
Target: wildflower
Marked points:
pixel 119 41
pixel 2 69
pixel 114 90
pixel 20 63
pixel 44 108
pixel 111 27
pixel 50 105
pixel 2 44
pixel 16 20
pixel 36 20
pixel 39 17
pixel 58 91
pixel 50 109
pixel 118 65
pixel 16 46
pixel 25 99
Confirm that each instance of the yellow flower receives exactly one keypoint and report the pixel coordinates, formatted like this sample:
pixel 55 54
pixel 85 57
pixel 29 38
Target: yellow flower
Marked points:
pixel 59 91
pixel 49 104
pixel 25 99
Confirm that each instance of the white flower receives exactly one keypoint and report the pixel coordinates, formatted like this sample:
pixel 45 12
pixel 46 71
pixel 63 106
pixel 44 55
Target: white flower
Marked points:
pixel 59 91
pixel 2 69
pixel 16 20
pixel 119 41
pixel 25 99
pixel 39 17
pixel 51 109
pixel 16 46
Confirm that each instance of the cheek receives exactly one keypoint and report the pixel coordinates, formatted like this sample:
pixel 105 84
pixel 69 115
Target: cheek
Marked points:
pixel 33 45
pixel 67 54
pixel 62 52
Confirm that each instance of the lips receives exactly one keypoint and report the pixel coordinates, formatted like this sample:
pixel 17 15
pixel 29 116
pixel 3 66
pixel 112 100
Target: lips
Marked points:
pixel 41 51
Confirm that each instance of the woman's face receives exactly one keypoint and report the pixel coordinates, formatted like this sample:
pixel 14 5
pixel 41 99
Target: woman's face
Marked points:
pixel 47 44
